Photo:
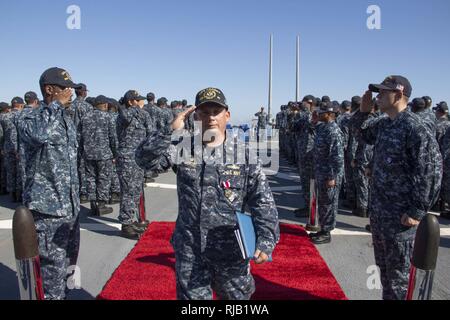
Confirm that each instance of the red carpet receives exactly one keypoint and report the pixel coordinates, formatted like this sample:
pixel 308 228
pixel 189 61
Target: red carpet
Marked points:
pixel 297 272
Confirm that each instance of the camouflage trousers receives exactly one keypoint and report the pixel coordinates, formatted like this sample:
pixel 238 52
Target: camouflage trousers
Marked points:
pixel 3 174
pixel 328 200
pixel 305 169
pixel 59 243
pixel 197 277
pixel 393 253
pixel 115 183
pixel 131 178
pixel 13 177
pixel 445 185
pixel 361 183
pixel 282 142
pixel 98 178
pixel 349 186
pixel 82 175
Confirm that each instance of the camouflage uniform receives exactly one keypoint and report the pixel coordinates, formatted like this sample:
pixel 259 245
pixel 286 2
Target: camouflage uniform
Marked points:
pixel 444 143
pixel 291 142
pixel 51 191
pixel 363 158
pixel 78 110
pixel 2 156
pixel 343 122
pixel 98 144
pixel 133 125
pixel 23 152
pixel 406 177
pixel 305 147
pixel 262 122
pixel 206 250
pixel 162 117
pixel 350 153
pixel 11 151
pixel 328 165
pixel 428 118
pixel 442 125
pixel 115 183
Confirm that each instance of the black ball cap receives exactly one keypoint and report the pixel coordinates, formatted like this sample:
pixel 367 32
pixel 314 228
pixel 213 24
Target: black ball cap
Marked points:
pixel 211 96
pixel 101 100
pixel 59 77
pixel 428 100
pixel 327 107
pixel 356 100
pixel 419 103
pixel 132 95
pixel 326 99
pixel 150 96
pixel 441 106
pixel 161 101
pixel 174 104
pixel 346 105
pixel 309 98
pixel 82 87
pixel 398 83
pixel 17 100
pixel 30 96
pixel 4 106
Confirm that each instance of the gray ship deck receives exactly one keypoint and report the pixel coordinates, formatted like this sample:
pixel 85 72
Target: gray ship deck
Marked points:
pixel 349 255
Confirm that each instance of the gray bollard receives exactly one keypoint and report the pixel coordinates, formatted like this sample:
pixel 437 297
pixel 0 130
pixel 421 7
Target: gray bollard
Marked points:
pixel 423 262
pixel 26 251
pixel 313 219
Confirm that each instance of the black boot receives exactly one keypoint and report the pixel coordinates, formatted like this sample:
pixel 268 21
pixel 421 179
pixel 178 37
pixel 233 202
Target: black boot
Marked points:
pixel 321 237
pixel 93 208
pixel 142 224
pixel 149 180
pixel 115 198
pixel 130 231
pixel 102 209
pixel 84 199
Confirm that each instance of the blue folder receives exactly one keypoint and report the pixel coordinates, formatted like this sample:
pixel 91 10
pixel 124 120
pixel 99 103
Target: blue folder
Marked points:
pixel 246 236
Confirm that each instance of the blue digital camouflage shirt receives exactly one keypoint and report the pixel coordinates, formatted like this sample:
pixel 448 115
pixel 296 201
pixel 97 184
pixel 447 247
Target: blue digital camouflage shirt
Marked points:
pixel 97 136
pixel 208 194
pixel 407 167
pixel 328 152
pixel 51 185
pixel 133 125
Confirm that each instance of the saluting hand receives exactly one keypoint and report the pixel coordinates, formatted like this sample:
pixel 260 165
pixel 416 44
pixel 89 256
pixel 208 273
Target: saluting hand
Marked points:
pixel 178 123
pixel 366 102
pixel 65 96
pixel 407 221
pixel 260 257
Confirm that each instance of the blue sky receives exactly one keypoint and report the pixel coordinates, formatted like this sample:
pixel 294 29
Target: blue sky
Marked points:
pixel 176 48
